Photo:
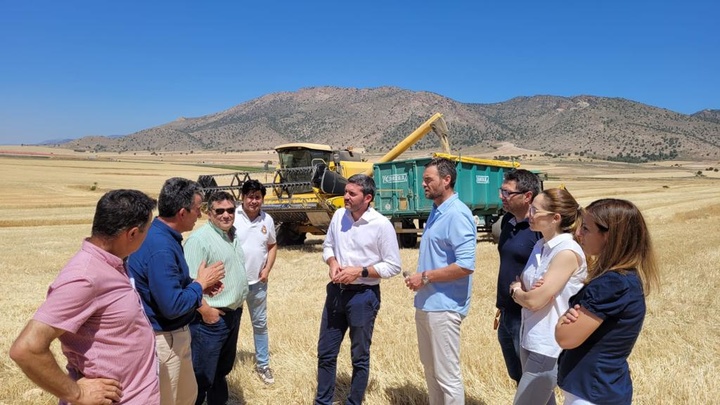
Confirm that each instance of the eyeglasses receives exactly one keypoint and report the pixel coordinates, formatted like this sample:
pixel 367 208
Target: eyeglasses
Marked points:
pixel 534 210
pixel 220 211
pixel 506 194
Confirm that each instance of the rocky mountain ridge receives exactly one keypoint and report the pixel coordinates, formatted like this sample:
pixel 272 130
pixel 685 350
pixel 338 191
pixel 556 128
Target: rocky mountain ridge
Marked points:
pixel 378 118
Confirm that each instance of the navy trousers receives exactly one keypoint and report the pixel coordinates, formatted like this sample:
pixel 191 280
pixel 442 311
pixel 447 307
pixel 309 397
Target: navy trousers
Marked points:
pixel 346 309
pixel 213 355
pixel 509 338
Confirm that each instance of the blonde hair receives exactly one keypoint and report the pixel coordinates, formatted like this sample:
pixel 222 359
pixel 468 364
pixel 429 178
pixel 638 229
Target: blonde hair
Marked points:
pixel 628 246
pixel 561 202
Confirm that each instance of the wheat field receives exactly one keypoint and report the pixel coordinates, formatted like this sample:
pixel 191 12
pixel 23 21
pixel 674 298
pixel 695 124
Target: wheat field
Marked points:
pixel 46 208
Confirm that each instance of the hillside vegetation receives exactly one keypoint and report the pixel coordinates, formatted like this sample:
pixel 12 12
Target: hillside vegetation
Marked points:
pixel 376 119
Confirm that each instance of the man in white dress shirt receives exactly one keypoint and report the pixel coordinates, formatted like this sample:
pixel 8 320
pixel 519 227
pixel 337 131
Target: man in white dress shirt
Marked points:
pixel 360 248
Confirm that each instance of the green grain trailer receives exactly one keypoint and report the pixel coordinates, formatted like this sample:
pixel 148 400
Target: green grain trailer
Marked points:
pixel 401 198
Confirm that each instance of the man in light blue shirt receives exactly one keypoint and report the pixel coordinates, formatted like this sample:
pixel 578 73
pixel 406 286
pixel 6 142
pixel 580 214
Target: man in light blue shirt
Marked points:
pixel 443 283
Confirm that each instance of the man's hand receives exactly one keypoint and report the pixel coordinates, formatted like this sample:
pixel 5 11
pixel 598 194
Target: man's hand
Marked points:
pixel 414 281
pixel 208 276
pixel 209 314
pixel 334 268
pixel 97 391
pixel 347 275
pixel 264 273
pixel 215 289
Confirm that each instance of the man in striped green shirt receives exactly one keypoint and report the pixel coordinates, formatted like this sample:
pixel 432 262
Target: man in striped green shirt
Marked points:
pixel 215 332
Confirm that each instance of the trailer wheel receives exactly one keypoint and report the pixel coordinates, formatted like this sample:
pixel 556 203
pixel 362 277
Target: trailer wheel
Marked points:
pixel 408 240
pixel 287 235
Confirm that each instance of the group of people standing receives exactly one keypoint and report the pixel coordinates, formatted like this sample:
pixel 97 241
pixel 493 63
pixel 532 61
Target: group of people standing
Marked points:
pixel 570 295
pixel 144 319
pixel 571 292
pixel 361 247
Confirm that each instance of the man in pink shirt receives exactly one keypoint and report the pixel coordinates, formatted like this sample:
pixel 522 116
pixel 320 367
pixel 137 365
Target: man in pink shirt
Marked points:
pixel 93 309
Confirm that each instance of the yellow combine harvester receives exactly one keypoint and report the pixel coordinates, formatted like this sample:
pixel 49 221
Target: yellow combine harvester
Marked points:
pixel 309 183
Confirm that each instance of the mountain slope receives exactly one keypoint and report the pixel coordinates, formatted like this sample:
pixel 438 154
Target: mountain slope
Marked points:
pixel 379 118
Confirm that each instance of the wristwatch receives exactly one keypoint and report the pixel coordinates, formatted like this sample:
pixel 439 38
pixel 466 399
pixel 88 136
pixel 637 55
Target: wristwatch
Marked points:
pixel 425 279
pixel 365 272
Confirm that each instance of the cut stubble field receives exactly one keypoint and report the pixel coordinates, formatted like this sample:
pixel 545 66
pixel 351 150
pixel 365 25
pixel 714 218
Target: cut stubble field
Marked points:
pixel 46 208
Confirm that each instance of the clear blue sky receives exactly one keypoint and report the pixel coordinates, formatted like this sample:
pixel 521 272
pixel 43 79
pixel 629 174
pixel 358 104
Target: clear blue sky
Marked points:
pixel 77 68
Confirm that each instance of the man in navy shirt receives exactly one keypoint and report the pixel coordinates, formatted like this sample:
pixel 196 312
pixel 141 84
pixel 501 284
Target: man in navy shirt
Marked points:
pixel 170 297
pixel 516 242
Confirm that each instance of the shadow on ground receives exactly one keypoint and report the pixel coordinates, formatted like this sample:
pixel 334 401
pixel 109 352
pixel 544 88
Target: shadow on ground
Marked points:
pixel 408 394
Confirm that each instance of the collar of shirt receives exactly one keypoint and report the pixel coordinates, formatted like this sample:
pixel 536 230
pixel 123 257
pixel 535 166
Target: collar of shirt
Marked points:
pixel 440 208
pixel 437 210
pixel 241 211
pixel 104 256
pixel 228 236
pixel 549 245
pixel 165 227
pixel 514 222
pixel 366 217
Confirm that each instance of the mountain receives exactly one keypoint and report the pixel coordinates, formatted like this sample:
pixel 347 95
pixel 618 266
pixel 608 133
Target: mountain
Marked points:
pixel 55 141
pixel 708 115
pixel 378 118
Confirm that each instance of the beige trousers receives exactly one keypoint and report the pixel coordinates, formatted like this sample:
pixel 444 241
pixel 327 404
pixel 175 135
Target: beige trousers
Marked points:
pixel 177 379
pixel 439 346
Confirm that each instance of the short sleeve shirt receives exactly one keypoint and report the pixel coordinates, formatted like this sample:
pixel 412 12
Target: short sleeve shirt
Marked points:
pixel 107 333
pixel 598 370
pixel 254 237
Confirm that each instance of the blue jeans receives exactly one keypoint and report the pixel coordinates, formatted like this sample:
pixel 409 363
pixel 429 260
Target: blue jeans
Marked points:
pixel 213 355
pixel 345 309
pixel 257 307
pixel 509 338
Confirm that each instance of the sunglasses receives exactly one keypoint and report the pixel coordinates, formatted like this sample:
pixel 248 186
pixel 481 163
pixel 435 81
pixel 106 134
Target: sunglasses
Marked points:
pixel 220 211
pixel 506 194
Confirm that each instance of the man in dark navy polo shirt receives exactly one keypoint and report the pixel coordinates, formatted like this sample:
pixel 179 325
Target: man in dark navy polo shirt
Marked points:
pixel 515 245
pixel 169 296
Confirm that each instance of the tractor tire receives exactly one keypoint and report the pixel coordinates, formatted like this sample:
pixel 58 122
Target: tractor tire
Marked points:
pixel 408 240
pixel 287 235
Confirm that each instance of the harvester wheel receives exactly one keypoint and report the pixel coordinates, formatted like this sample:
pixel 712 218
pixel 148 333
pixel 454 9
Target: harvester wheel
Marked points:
pixel 408 240
pixel 287 235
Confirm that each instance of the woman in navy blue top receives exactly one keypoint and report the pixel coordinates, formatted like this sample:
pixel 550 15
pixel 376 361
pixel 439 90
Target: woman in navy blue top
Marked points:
pixel 605 317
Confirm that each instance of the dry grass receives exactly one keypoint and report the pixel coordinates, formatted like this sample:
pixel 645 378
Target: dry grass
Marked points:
pixel 46 209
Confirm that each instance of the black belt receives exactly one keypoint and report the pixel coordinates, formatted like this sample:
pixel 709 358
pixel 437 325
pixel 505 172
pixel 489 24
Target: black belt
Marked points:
pixel 226 310
pixel 354 287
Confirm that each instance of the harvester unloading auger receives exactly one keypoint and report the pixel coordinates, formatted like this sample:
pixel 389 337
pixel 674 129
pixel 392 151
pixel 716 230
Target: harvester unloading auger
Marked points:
pixel 309 183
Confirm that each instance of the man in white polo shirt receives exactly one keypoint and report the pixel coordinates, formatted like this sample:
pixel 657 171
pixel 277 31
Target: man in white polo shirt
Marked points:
pixel 256 234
